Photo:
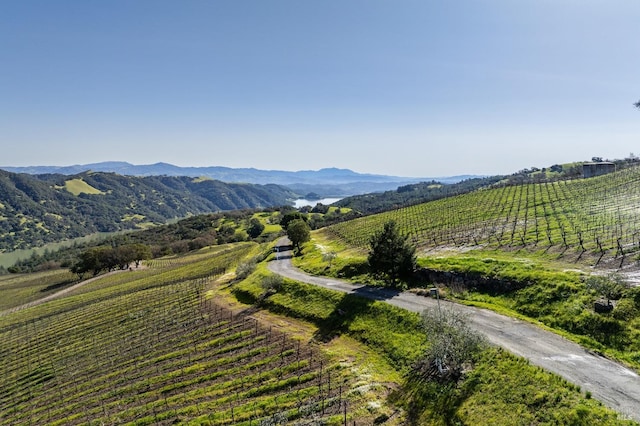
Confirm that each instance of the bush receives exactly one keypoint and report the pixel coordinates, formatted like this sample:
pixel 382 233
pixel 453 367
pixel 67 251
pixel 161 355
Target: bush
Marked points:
pixel 625 310
pixel 453 344
pixel 255 228
pixel 634 294
pixel 244 269
pixel 272 283
pixel 610 287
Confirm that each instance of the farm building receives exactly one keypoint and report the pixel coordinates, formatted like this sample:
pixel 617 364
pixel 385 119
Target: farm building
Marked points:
pixel 597 169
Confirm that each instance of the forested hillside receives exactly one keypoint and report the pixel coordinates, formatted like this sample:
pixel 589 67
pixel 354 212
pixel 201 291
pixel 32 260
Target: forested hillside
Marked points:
pixel 410 194
pixel 35 210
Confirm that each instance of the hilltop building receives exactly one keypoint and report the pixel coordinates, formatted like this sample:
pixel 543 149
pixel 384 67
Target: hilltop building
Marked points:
pixel 597 169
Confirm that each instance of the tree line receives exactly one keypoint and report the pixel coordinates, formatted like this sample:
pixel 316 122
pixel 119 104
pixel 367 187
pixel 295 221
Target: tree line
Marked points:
pixel 106 258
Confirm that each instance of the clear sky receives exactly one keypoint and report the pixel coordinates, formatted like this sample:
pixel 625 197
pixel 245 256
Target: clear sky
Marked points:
pixel 399 87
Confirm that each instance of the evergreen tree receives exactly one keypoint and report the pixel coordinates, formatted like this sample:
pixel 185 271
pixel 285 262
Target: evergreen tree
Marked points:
pixel 391 254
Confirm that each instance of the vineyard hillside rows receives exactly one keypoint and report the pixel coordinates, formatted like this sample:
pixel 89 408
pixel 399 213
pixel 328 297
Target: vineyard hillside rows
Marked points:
pixel 155 350
pixel 596 219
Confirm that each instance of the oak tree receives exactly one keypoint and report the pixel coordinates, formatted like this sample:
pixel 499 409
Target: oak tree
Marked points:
pixel 298 232
pixel 255 228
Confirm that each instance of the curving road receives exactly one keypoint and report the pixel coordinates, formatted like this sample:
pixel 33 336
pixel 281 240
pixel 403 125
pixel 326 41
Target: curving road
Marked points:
pixel 614 385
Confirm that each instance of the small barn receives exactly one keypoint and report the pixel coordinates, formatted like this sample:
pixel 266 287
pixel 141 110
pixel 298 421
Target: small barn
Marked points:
pixel 597 169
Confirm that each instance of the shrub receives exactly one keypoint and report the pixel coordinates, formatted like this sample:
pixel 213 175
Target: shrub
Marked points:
pixel 611 286
pixel 244 269
pixel 272 283
pixel 625 310
pixel 453 344
pixel 634 294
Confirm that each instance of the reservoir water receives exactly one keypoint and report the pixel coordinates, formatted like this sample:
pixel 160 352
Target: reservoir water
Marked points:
pixel 301 202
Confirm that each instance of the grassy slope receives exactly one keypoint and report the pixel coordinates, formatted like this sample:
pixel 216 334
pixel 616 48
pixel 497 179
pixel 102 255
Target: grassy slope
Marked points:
pixel 374 376
pixel 79 186
pixel 546 291
pixel 502 389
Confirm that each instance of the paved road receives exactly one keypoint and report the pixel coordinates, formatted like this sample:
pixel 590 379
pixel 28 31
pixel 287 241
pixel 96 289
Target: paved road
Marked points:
pixel 612 384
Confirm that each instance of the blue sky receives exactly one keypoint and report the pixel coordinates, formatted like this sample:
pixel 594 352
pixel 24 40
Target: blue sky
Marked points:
pixel 409 88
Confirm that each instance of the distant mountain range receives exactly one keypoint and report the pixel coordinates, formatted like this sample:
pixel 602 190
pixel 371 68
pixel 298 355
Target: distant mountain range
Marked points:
pixel 44 204
pixel 328 182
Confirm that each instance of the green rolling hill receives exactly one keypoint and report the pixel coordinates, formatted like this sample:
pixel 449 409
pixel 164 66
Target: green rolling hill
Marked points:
pixel 35 210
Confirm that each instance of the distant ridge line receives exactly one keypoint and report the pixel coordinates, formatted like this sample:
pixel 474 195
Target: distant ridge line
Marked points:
pixel 331 175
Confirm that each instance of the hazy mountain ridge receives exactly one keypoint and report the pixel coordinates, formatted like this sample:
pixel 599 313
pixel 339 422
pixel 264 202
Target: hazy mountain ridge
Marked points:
pixel 326 182
pixel 35 210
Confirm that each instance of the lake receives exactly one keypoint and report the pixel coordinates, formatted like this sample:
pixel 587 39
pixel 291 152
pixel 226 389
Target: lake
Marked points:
pixel 301 202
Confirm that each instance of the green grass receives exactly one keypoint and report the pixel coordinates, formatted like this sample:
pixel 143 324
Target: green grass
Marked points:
pixel 130 217
pixel 267 219
pixel 201 179
pixel 505 268
pixel 347 264
pixel 502 389
pixel 340 210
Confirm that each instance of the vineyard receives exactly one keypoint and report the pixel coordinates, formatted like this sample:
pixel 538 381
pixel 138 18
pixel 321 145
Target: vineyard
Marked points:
pixel 148 347
pixel 18 289
pixel 597 217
